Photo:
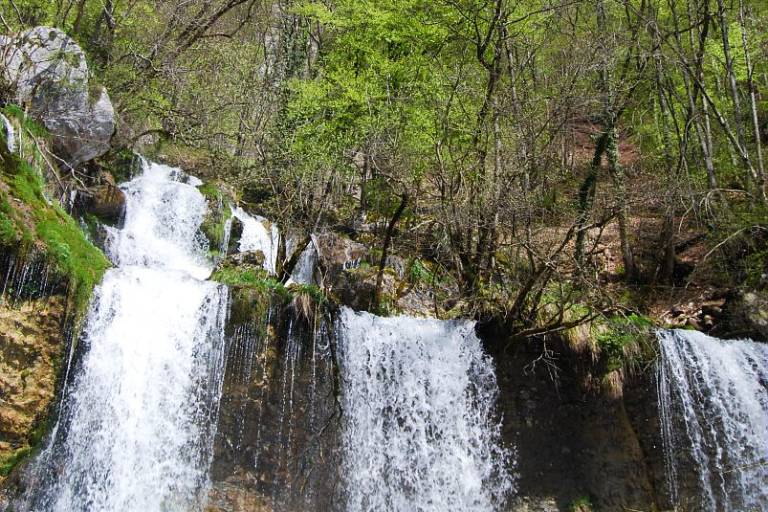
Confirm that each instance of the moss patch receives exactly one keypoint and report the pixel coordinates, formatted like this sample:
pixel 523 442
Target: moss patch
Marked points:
pixel 9 461
pixel 622 340
pixel 29 221
pixel 215 222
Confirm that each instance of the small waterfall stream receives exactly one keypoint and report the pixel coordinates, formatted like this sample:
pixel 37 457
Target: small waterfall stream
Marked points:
pixel 10 135
pixel 259 235
pixel 713 401
pixel 419 431
pixel 138 420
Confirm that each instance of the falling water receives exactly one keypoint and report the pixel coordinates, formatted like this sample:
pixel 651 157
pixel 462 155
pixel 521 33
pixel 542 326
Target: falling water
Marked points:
pixel 713 398
pixel 10 135
pixel 304 271
pixel 419 432
pixel 259 235
pixel 137 425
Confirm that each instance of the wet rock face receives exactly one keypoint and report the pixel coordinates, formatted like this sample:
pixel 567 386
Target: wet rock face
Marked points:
pixel 49 74
pixel 235 233
pixel 106 201
pixel 244 260
pixel 744 315
pixel 277 444
pixel 337 254
pixel 31 350
pixel 572 446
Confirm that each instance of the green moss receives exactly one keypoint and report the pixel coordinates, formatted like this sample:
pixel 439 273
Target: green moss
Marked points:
pixel 34 440
pixel 10 461
pixel 211 191
pixel 73 254
pixel 215 222
pixel 240 276
pixel 28 217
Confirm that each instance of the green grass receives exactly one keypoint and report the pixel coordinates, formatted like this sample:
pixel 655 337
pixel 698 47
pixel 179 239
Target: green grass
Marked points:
pixel 243 276
pixel 309 290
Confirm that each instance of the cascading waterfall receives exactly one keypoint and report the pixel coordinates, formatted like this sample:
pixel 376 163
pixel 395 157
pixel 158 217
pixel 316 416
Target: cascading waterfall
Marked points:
pixel 259 235
pixel 137 424
pixel 713 401
pixel 419 430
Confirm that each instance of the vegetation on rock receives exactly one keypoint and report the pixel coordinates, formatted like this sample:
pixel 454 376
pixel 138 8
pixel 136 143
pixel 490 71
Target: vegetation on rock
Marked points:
pixel 30 221
pixel 539 164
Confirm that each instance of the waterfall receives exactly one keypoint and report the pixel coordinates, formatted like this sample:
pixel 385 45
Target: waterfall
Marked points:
pixel 10 135
pixel 419 428
pixel 137 424
pixel 259 235
pixel 713 401
pixel 304 271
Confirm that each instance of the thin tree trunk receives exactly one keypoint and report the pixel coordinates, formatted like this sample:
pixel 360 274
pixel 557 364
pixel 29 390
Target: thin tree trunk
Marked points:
pixel 738 117
pixel 385 250
pixel 752 101
pixel 78 17
pixel 587 197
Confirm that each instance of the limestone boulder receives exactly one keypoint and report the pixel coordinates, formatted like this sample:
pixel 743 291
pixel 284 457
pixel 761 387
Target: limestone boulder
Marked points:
pixel 48 75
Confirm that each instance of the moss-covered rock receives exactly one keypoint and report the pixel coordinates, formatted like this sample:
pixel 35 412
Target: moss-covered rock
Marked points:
pixel 31 350
pixel 214 225
pixel 31 221
pixel 49 270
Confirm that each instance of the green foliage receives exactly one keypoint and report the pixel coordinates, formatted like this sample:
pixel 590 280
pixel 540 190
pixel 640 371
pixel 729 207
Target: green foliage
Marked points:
pixel 308 290
pixel 620 339
pixel 581 504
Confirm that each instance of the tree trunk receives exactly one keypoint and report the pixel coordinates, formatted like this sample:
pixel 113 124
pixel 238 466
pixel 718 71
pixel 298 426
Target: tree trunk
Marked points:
pixel 752 102
pixel 385 250
pixel 617 176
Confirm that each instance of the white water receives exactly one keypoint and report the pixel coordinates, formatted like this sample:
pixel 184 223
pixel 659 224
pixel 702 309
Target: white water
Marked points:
pixel 304 271
pixel 10 135
pixel 713 398
pixel 259 235
pixel 137 429
pixel 419 426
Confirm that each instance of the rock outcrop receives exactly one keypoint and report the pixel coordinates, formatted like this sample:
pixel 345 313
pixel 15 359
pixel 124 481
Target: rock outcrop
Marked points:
pixel 105 200
pixel 31 347
pixel 744 315
pixel 48 74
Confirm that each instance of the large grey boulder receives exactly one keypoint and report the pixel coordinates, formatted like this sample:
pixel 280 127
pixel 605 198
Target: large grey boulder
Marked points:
pixel 744 315
pixel 48 73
